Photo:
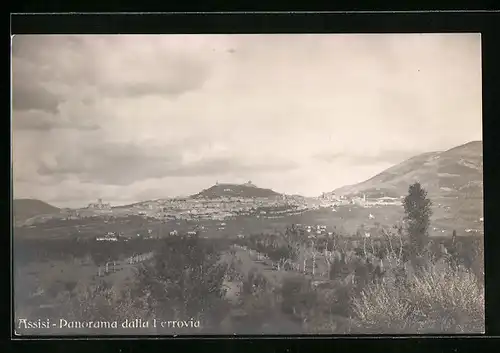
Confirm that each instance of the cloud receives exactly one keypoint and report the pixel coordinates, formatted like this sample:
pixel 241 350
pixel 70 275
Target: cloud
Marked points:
pixel 384 156
pixel 33 96
pixel 173 77
pixel 120 115
pixel 115 65
pixel 224 166
pixel 126 163
pixel 108 163
pixel 44 121
pixel 54 76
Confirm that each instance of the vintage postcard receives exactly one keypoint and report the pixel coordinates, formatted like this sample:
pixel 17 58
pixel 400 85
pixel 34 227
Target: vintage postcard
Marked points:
pixel 247 184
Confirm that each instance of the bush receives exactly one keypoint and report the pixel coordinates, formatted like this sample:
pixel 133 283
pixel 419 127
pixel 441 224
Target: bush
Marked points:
pixel 185 280
pixel 298 297
pixel 98 302
pixel 439 299
pixel 256 306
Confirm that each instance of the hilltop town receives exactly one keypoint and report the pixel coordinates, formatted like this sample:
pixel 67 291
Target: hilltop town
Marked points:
pixel 232 202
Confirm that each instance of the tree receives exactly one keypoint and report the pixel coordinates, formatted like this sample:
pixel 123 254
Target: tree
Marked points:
pixel 184 281
pixel 417 216
pixel 258 301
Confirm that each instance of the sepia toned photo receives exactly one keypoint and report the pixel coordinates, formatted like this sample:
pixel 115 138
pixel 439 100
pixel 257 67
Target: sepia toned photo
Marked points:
pixel 264 184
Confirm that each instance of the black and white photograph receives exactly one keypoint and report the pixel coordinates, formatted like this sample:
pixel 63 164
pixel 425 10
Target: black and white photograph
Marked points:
pixel 247 184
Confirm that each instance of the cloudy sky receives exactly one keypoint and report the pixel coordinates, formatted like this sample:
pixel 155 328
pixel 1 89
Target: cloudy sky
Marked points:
pixel 129 118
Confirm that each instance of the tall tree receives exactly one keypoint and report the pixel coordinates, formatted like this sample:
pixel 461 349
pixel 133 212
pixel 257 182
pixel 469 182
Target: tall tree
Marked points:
pixel 417 216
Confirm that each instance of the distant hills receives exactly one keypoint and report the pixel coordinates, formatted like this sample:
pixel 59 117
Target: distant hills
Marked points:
pixel 449 173
pixel 453 179
pixel 24 209
pixel 246 190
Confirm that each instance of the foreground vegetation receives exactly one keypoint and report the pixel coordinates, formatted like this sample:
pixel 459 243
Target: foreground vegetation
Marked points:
pixel 400 281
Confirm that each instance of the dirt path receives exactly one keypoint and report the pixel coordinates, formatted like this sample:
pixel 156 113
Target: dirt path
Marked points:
pixel 247 263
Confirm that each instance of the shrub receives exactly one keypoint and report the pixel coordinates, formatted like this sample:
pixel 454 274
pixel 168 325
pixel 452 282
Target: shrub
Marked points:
pixel 98 302
pixel 258 300
pixel 381 309
pixel 451 298
pixel 298 297
pixel 439 299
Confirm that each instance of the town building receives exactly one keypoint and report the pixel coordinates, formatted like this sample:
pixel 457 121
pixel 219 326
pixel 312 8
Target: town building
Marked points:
pixel 110 236
pixel 99 205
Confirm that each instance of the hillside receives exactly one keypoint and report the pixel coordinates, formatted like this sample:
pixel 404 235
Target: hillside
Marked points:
pixel 24 209
pixel 247 190
pixel 441 173
pixel 453 179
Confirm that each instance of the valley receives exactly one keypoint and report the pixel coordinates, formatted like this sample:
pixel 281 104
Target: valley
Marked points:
pixel 61 254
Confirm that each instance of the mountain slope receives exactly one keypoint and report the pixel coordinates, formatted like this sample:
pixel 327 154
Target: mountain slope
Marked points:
pixel 247 190
pixel 453 180
pixel 24 209
pixel 443 174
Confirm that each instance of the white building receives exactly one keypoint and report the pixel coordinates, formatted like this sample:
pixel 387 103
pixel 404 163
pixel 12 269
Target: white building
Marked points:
pixel 359 200
pixel 99 205
pixel 108 237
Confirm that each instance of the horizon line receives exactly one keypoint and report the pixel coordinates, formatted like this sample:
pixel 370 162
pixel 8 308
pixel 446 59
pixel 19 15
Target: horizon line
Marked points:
pixel 282 193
